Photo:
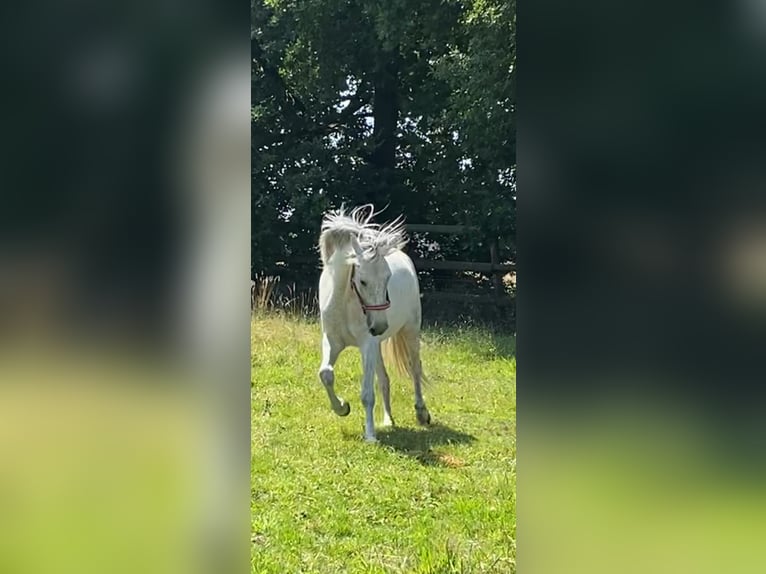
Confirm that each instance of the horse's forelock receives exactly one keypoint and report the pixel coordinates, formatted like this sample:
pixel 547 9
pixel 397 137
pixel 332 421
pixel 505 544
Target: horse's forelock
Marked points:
pixel 382 249
pixel 376 240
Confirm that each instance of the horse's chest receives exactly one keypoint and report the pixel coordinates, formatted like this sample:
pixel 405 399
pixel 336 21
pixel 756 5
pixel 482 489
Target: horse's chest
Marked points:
pixel 343 328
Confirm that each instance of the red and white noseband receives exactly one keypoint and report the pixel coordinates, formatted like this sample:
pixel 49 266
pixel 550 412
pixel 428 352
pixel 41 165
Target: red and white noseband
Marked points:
pixel 365 306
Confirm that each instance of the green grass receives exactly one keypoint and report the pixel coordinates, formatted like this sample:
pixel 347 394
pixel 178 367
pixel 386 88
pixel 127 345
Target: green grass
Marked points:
pixel 437 500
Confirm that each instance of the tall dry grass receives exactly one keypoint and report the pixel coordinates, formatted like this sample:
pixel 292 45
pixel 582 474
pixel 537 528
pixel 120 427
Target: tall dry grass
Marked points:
pixel 262 290
pixel 266 296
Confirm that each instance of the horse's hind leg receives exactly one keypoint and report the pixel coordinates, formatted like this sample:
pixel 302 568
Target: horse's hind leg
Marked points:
pixel 421 411
pixel 385 391
pixel 330 352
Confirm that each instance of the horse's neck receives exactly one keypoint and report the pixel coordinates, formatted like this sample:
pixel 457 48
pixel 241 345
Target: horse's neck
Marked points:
pixel 341 281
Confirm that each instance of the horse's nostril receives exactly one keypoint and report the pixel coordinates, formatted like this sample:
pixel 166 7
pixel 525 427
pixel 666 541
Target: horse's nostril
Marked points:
pixel 378 330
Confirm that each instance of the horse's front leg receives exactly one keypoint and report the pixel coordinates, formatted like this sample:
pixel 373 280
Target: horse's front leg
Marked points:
pixel 370 353
pixel 330 351
pixel 384 385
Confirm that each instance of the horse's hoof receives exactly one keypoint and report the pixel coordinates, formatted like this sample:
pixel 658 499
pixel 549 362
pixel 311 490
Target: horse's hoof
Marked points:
pixel 345 408
pixel 370 439
pixel 423 416
pixel 388 422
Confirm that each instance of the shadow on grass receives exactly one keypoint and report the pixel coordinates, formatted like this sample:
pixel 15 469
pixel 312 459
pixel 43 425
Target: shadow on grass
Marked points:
pixel 419 443
pixel 505 345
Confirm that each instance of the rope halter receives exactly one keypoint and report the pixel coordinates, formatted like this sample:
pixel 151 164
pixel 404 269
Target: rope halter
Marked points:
pixel 365 306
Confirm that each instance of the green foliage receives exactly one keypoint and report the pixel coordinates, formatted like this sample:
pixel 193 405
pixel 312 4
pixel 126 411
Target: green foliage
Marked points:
pixel 449 67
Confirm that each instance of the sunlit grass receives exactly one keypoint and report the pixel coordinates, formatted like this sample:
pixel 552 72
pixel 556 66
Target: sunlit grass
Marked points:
pixel 438 500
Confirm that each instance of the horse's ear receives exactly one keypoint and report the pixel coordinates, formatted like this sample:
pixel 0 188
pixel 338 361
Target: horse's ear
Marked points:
pixel 357 247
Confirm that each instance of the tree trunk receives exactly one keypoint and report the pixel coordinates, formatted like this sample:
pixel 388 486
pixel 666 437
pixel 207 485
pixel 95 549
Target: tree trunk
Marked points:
pixel 381 186
pixel 385 111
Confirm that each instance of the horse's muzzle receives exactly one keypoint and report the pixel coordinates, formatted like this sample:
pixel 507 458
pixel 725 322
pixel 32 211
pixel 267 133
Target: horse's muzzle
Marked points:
pixel 378 328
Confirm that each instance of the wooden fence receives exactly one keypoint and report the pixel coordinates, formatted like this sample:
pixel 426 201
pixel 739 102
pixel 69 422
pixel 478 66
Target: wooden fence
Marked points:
pixel 493 267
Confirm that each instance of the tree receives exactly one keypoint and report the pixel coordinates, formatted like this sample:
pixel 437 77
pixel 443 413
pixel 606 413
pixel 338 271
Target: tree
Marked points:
pixel 404 102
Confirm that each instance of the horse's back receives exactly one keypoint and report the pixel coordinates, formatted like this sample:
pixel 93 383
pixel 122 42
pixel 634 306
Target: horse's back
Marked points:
pixel 403 275
pixel 404 292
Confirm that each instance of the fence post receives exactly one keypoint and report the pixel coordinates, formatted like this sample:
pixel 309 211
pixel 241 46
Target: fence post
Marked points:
pixel 497 281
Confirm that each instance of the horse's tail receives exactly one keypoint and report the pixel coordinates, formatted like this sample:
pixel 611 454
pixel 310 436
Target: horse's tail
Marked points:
pixel 403 352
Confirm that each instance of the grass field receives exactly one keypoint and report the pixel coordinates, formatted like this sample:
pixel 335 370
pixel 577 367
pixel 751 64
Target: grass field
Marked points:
pixel 435 500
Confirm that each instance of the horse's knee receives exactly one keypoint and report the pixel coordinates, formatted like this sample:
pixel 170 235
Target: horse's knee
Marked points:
pixel 368 401
pixel 368 397
pixel 326 375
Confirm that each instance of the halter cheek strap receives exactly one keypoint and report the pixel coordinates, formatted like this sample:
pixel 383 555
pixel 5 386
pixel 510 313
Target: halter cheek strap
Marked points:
pixel 365 306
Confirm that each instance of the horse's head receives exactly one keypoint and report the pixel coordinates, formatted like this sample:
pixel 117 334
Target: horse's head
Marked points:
pixel 369 279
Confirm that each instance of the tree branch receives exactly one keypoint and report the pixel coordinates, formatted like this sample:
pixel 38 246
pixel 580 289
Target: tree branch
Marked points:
pixel 294 108
pixel 272 73
pixel 332 123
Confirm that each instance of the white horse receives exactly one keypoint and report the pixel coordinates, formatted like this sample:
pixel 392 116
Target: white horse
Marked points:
pixel 369 298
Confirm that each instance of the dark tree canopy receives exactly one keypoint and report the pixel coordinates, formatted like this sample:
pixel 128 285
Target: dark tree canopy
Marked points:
pixel 408 103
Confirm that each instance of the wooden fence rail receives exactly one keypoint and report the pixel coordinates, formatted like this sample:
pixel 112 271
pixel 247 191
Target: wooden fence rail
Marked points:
pixel 492 267
pixel 476 266
pixel 433 228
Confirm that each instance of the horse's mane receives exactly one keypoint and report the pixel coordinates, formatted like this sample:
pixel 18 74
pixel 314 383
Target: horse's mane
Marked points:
pixel 339 226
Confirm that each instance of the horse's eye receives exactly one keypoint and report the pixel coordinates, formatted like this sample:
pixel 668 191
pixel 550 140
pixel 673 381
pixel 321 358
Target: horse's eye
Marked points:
pixel 364 283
